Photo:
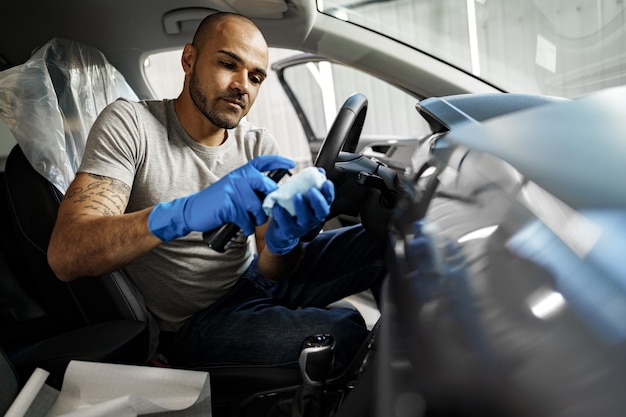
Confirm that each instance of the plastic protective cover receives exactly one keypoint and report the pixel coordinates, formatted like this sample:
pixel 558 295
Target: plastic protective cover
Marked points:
pixel 50 102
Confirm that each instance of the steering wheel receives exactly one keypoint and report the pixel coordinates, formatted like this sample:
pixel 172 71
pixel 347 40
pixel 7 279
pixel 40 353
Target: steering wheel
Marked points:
pixel 344 133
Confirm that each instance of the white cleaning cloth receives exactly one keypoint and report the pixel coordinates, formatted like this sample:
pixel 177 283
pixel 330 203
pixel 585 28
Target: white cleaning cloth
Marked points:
pixel 300 183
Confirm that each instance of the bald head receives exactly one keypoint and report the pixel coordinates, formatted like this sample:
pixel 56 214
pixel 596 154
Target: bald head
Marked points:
pixel 214 23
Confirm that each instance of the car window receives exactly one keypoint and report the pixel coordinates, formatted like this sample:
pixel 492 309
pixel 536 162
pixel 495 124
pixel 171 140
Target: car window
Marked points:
pixel 164 73
pixel 321 88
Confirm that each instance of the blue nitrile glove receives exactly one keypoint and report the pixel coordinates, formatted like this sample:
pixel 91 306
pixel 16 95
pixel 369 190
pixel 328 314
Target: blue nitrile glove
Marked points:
pixel 284 230
pixel 232 199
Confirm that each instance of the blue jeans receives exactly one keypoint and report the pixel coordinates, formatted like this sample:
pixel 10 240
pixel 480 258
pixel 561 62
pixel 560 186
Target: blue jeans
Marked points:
pixel 263 323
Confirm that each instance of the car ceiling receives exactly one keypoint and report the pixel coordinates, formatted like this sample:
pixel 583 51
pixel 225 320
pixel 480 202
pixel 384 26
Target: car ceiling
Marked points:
pixel 136 24
pixel 120 28
pixel 127 30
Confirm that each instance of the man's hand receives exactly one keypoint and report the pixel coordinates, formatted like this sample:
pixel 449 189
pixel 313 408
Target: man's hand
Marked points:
pixel 232 199
pixel 284 231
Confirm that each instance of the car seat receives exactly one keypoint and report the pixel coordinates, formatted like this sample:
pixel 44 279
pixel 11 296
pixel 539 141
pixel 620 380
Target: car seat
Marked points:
pixel 50 119
pixel 50 123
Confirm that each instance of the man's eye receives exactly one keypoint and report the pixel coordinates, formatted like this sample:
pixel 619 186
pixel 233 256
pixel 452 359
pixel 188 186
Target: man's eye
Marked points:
pixel 228 65
pixel 256 80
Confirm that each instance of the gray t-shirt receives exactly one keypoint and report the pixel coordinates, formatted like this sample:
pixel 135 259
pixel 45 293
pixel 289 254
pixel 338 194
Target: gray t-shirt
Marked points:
pixel 144 145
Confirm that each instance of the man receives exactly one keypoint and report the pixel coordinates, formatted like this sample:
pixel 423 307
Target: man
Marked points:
pixel 156 174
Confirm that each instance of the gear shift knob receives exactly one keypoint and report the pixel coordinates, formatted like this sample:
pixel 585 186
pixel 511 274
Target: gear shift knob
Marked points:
pixel 316 355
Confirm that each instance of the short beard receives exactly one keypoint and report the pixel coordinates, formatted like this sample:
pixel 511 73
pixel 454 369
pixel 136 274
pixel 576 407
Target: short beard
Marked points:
pixel 200 101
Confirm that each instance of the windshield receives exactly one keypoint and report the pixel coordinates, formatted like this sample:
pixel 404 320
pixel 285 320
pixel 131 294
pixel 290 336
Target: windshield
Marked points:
pixel 555 47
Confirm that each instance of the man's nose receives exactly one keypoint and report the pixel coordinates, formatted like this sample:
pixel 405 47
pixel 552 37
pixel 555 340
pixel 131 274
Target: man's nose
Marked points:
pixel 240 82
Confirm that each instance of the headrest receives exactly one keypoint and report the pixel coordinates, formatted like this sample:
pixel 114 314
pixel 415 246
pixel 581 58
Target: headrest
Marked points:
pixel 50 102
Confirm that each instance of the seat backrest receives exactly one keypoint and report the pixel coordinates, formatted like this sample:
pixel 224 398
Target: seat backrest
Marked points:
pixel 49 104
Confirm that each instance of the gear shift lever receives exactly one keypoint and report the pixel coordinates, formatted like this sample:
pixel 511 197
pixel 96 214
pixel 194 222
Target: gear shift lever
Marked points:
pixel 316 356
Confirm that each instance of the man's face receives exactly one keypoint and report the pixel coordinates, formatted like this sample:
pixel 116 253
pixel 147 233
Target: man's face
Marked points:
pixel 228 72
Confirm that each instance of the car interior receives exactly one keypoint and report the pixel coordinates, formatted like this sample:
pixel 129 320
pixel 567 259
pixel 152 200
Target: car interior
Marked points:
pixel 57 94
pixel 468 208
pixel 100 318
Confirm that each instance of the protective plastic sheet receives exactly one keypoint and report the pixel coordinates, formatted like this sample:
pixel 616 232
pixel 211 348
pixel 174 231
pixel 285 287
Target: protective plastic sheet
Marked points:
pixel 50 102
pixel 93 389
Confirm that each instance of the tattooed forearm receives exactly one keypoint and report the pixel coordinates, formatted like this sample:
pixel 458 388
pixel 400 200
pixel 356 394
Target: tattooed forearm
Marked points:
pixel 106 196
pixel 100 208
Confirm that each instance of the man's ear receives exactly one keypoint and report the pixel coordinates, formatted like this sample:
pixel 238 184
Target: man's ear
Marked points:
pixel 188 58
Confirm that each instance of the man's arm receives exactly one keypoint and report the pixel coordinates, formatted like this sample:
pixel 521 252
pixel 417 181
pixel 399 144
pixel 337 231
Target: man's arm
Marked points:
pixel 92 235
pixel 275 267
